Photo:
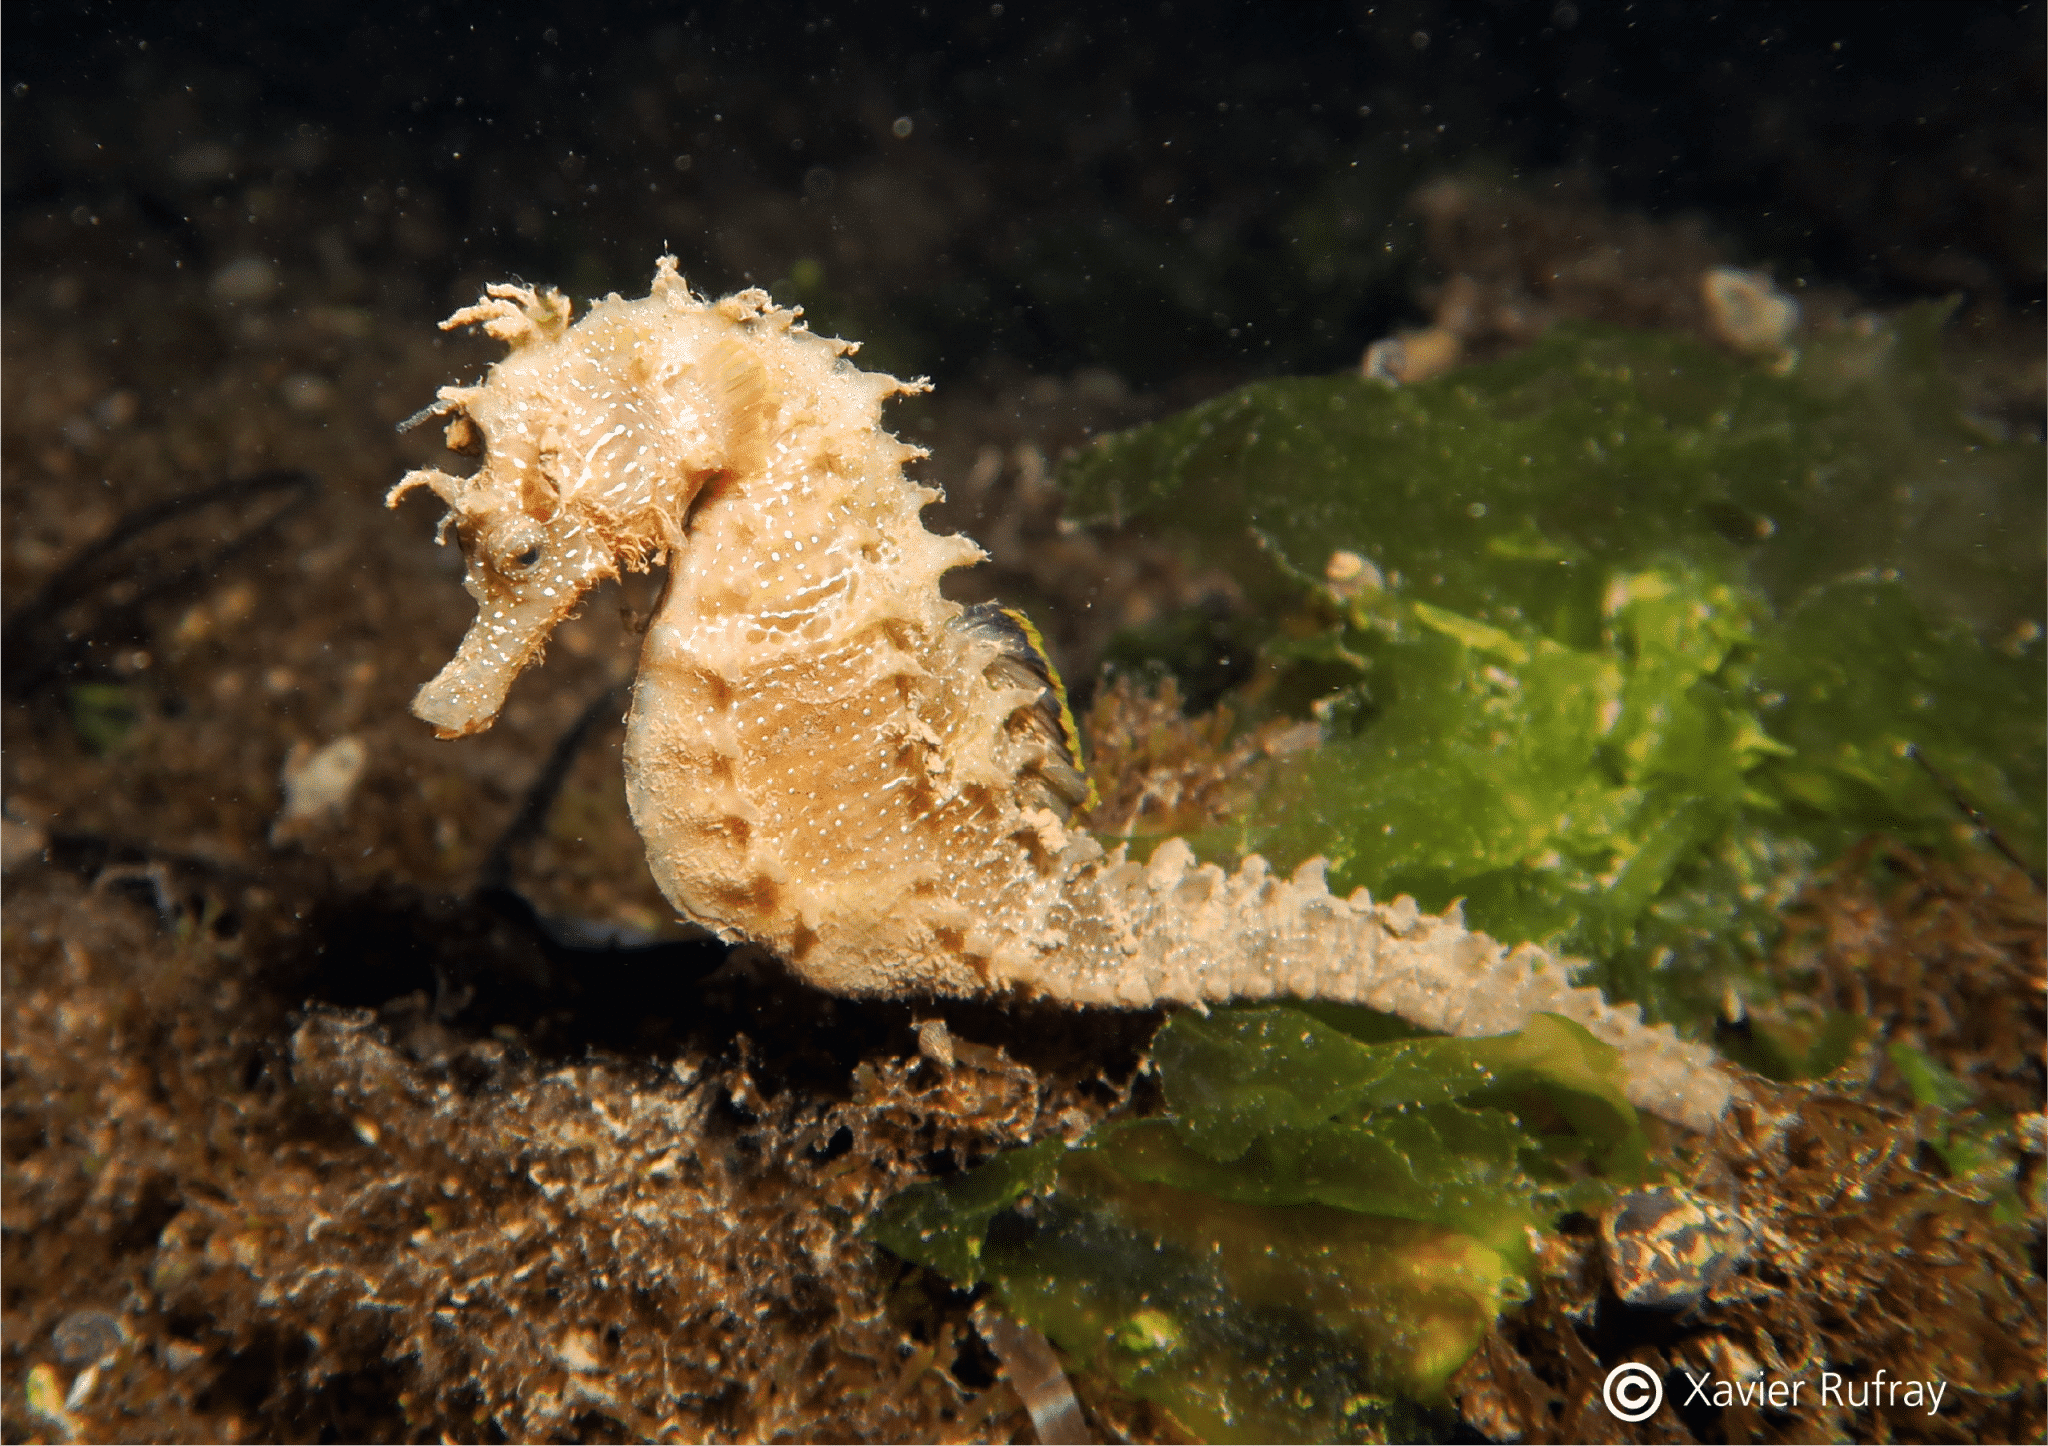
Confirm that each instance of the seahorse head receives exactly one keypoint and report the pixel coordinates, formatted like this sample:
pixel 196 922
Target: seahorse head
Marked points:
pixel 592 441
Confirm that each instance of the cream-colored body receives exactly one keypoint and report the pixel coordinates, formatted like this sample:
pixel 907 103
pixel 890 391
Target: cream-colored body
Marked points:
pixel 819 758
pixel 814 757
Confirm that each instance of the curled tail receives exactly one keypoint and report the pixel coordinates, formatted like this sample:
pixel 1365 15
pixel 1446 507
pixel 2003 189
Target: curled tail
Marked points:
pixel 1176 931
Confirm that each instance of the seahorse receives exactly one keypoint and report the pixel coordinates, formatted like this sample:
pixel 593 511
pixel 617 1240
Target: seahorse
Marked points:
pixel 827 757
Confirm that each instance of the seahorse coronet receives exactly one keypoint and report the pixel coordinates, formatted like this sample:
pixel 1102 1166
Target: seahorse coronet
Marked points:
pixel 826 757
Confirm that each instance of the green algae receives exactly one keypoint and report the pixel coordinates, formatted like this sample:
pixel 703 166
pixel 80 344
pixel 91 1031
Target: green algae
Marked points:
pixel 1320 1229
pixel 1885 709
pixel 1979 1149
pixel 1645 632
pixel 1810 1044
pixel 1638 636
pixel 1930 1082
pixel 1505 490
pixel 103 715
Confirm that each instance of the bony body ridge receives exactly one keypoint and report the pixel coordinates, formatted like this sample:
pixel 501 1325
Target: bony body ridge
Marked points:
pixel 824 755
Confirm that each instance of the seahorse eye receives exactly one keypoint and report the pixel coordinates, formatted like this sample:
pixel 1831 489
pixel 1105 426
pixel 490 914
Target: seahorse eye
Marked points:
pixel 518 549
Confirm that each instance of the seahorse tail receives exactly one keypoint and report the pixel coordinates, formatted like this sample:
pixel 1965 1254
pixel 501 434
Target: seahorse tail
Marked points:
pixel 1175 931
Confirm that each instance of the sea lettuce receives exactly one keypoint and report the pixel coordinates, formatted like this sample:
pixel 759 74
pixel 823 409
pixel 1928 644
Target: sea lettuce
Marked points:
pixel 1631 636
pixel 1320 1228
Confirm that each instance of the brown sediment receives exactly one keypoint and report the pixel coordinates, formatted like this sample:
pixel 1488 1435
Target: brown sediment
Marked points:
pixel 277 1214
pixel 1162 772
pixel 369 1224
pixel 1945 957
pixel 1865 1253
pixel 1864 1260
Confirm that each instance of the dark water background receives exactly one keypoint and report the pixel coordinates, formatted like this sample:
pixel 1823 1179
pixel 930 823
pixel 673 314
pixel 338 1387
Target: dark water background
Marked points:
pixel 1121 184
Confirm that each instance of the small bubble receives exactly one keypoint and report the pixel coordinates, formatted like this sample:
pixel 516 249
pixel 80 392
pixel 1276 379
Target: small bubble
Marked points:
pixel 902 128
pixel 1420 40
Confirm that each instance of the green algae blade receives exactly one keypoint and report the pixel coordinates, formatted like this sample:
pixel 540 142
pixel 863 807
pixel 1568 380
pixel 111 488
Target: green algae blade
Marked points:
pixel 1249 1322
pixel 1634 636
pixel 1892 718
pixel 941 1224
pixel 1507 489
pixel 1318 1231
